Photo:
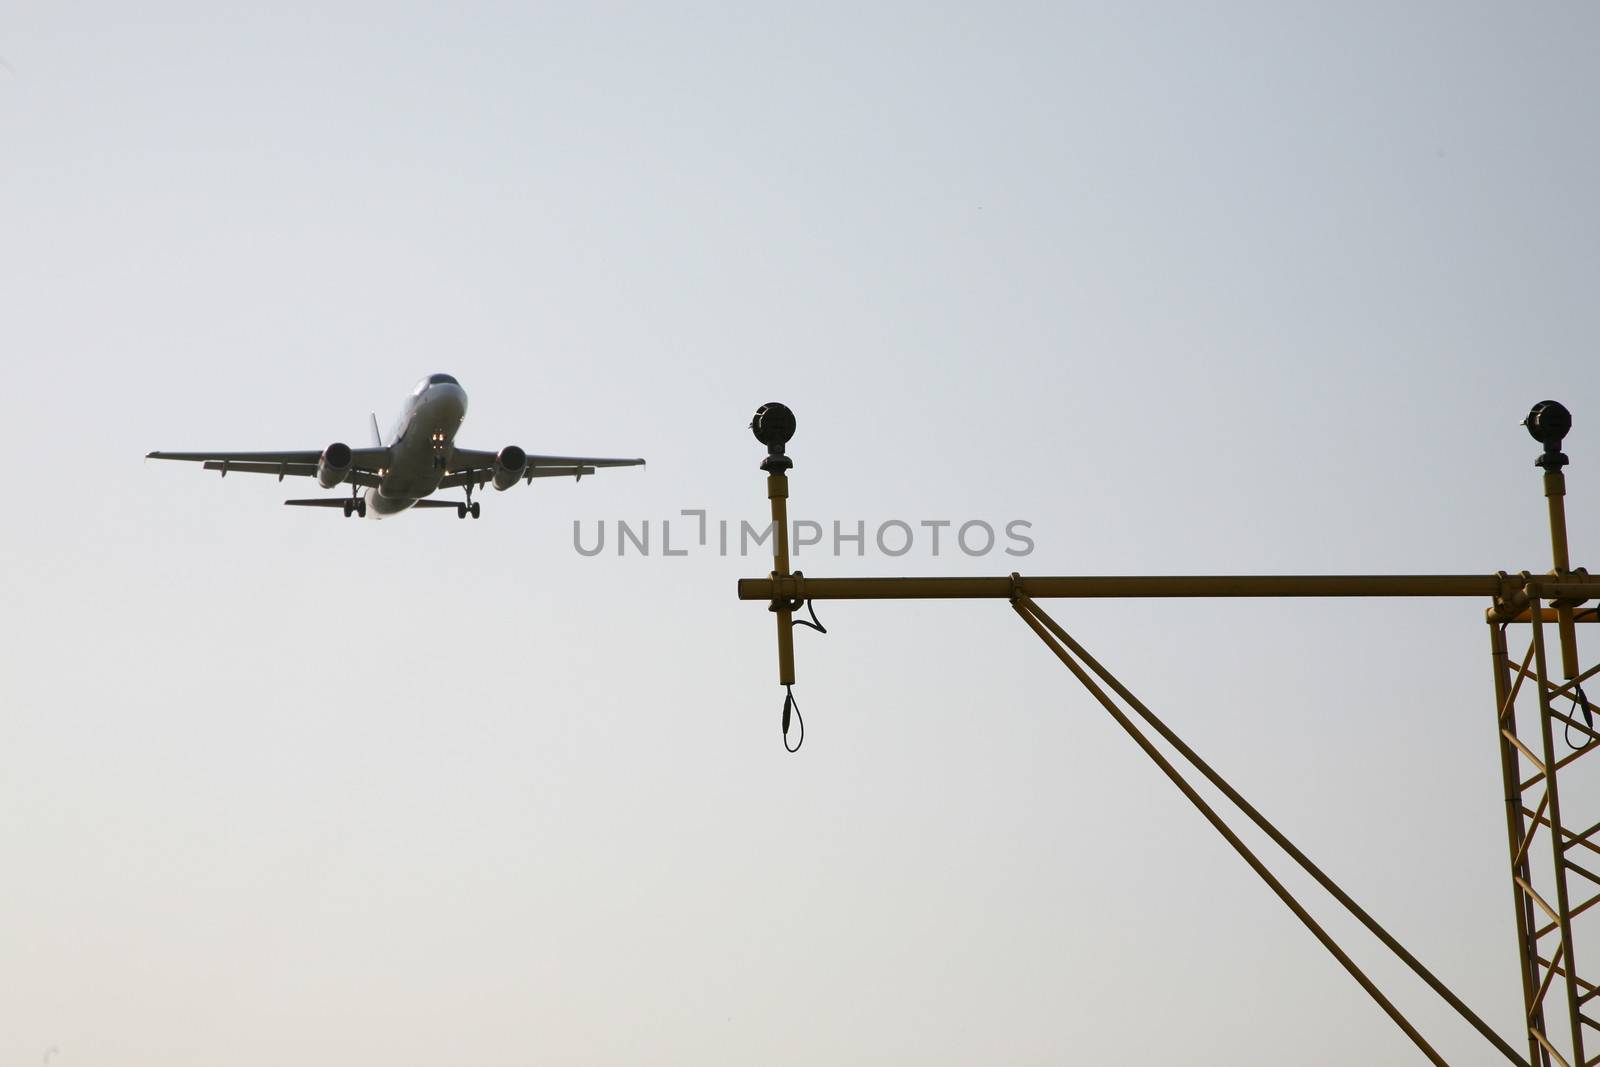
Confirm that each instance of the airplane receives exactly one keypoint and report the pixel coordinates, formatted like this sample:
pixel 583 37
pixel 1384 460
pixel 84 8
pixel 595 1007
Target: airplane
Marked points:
pixel 421 459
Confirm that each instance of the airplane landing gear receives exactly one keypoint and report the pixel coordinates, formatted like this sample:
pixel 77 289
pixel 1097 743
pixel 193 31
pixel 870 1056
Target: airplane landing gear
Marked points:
pixel 469 508
pixel 355 505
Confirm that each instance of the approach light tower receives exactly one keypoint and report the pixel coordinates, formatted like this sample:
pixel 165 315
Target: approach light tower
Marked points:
pixel 1545 725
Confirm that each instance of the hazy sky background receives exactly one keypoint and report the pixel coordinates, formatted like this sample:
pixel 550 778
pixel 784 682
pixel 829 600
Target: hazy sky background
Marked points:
pixel 1264 288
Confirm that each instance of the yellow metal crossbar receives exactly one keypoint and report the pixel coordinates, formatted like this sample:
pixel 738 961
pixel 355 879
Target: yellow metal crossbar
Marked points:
pixel 1040 587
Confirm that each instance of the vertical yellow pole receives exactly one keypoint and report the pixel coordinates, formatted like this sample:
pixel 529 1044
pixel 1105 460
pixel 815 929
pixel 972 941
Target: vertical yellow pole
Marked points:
pixel 1548 423
pixel 1555 491
pixel 778 493
pixel 774 425
pixel 1516 831
pixel 1562 916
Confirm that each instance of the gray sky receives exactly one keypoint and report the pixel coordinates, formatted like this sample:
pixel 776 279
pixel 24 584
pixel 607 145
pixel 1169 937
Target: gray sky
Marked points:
pixel 1259 289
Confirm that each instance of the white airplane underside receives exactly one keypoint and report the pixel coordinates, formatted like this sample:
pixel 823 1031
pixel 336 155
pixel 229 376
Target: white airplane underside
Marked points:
pixel 421 459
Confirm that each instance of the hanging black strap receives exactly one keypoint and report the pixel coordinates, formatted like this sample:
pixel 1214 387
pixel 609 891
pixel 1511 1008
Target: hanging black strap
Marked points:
pixel 811 607
pixel 1580 701
pixel 791 706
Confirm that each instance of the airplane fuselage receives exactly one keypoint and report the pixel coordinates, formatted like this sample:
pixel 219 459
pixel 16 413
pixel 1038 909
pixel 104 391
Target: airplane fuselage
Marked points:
pixel 421 446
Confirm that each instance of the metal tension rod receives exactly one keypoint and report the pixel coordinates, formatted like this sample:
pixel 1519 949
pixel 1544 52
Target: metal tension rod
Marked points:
pixel 1022 608
pixel 1059 641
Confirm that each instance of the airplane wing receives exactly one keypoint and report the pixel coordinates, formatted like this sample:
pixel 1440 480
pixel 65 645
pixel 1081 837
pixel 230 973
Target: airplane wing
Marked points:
pixel 474 466
pixel 364 463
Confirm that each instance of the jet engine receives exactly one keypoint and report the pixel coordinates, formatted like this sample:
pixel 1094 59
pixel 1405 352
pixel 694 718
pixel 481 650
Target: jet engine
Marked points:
pixel 334 466
pixel 509 465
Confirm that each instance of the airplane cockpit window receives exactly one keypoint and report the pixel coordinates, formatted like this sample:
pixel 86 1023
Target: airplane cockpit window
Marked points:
pixel 433 379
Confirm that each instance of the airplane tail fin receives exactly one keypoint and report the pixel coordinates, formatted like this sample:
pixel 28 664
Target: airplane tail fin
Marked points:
pixel 377 438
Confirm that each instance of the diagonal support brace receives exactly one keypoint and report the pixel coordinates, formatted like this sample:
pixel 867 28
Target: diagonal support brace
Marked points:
pixel 1059 641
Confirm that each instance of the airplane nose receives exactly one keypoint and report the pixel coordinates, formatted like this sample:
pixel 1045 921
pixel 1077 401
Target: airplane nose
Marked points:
pixel 450 395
